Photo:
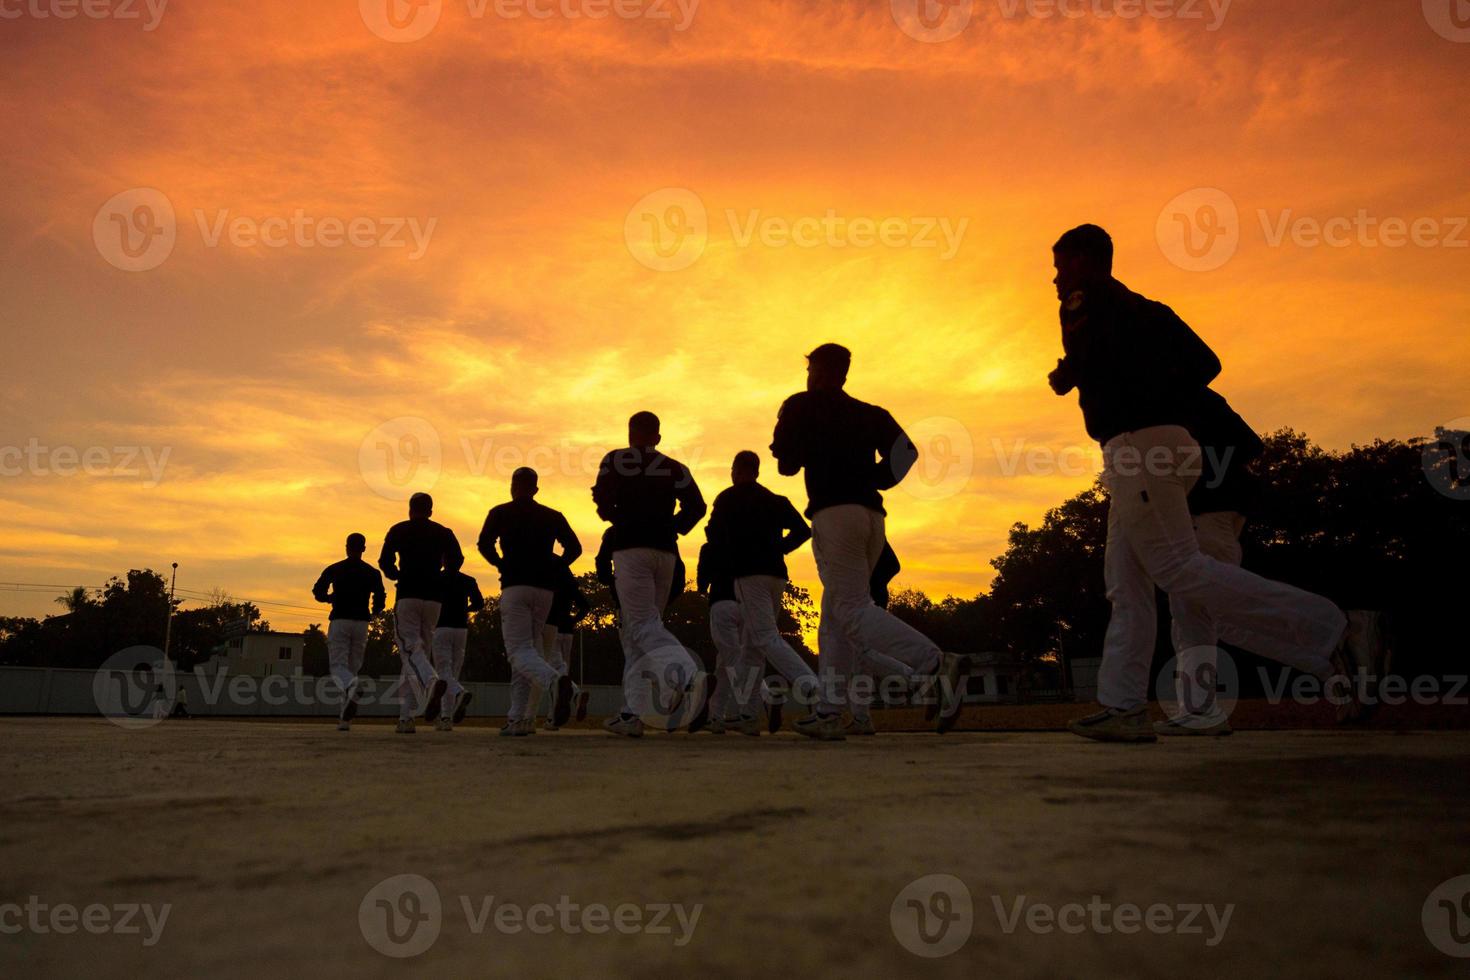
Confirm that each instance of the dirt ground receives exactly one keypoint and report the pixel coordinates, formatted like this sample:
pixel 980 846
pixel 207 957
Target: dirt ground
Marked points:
pixel 266 841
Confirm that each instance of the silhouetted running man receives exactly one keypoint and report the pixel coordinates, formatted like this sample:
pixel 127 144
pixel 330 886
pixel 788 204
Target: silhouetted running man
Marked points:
pixel 851 452
pixel 1139 372
pixel 460 597
pixel 519 538
pixel 355 590
pixel 651 501
pixel 754 529
pixel 416 554
pixel 568 608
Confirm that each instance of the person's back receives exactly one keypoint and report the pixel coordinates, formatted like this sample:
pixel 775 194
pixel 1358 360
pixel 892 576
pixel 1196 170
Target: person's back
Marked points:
pixel 416 553
pixel 749 524
pixel 637 491
pixel 459 596
pixel 1134 362
pixel 842 443
pixel 354 585
pixel 528 532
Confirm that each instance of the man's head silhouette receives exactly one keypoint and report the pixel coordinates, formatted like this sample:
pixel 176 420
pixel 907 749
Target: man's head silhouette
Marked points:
pixel 1083 258
pixel 356 545
pixel 827 366
pixel 420 505
pixel 746 468
pixel 643 431
pixel 523 484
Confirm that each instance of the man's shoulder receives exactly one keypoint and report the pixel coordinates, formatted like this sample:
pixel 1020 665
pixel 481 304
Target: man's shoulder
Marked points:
pixel 669 464
pixel 548 513
pixel 794 404
pixel 1137 304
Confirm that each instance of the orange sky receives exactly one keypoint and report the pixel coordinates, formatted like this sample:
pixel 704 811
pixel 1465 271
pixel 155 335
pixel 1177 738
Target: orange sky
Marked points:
pixel 532 322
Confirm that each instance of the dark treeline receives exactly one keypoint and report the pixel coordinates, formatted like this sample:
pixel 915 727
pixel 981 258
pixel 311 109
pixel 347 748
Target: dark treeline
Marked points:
pixel 1383 526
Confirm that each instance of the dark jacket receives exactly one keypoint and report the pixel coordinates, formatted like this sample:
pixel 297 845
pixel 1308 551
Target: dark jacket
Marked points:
pixel 519 538
pixel 637 490
pixel 416 553
pixel 459 596
pixel 570 605
pixel 1133 362
pixel 1228 447
pixel 349 585
pixel 835 438
pixel 712 575
pixel 755 529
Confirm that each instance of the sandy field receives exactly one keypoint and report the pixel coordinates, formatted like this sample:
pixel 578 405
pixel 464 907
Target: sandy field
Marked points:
pixel 240 849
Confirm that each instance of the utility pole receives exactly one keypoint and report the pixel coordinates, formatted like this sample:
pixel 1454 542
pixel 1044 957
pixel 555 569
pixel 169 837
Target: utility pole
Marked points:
pixel 168 628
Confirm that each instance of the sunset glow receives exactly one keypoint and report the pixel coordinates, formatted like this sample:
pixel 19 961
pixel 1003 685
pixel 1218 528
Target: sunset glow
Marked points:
pixel 487 247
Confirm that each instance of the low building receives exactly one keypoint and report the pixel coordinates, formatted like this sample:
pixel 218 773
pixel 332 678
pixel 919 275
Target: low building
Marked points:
pixel 260 655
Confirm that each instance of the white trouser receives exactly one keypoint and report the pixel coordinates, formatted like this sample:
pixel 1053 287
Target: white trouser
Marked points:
pixel 1195 639
pixel 449 644
pixel 556 647
pixel 1151 542
pixel 847 541
pixel 656 660
pixel 346 647
pixel 739 666
pixel 415 619
pixel 523 612
pixel 760 604
pixel 556 650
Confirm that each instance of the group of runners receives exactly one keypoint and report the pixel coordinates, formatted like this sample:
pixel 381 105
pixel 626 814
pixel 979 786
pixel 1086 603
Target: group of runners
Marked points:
pixel 1177 467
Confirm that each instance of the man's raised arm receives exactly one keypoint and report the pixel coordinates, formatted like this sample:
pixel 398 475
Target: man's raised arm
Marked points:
pixel 897 453
pixel 692 507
